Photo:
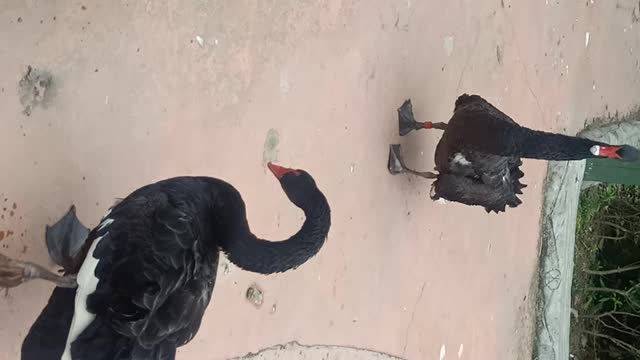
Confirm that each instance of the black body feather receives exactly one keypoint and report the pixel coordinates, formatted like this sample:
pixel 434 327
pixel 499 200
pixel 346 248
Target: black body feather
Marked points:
pixel 157 262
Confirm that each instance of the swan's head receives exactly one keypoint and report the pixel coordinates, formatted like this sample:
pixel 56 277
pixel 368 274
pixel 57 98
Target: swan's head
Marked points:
pixel 621 152
pixel 299 186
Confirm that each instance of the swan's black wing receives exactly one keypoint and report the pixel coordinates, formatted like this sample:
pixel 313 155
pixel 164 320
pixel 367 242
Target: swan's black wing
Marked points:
pixel 154 283
pixel 474 192
pixel 469 108
pixel 501 173
pixel 497 171
pixel 469 104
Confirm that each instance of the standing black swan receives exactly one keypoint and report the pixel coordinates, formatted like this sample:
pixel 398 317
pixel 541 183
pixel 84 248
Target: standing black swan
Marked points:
pixel 478 156
pixel 149 267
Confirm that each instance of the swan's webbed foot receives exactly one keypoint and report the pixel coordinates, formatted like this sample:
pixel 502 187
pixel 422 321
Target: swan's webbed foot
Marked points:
pixel 395 164
pixel 65 238
pixel 406 120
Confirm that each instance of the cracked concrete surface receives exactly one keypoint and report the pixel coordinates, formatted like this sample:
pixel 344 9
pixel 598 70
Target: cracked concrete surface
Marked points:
pixel 294 350
pixel 135 98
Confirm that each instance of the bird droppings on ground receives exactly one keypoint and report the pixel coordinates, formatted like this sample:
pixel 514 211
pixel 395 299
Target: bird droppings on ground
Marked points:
pixel 255 295
pixel 32 88
pixel 285 86
pixel 586 39
pixel 225 267
pixel 273 308
pixel 460 350
pixel 270 150
pixel 443 352
pixel 200 41
pixel 447 44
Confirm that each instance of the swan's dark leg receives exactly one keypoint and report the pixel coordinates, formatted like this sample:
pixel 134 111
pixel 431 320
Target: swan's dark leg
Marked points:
pixel 65 238
pixel 408 123
pixel 395 164
pixel 438 125
pixel 15 272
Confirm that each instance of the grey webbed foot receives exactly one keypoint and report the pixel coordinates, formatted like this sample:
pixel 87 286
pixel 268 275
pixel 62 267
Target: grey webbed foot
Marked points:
pixel 395 164
pixel 406 120
pixel 65 238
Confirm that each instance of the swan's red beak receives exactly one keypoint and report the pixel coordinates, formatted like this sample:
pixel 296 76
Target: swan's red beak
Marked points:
pixel 428 125
pixel 610 152
pixel 279 171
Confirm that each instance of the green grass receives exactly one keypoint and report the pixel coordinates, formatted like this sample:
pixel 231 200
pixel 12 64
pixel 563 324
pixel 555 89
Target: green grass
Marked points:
pixel 607 238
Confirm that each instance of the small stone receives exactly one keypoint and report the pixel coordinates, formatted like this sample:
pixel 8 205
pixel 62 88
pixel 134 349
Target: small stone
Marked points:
pixel 255 295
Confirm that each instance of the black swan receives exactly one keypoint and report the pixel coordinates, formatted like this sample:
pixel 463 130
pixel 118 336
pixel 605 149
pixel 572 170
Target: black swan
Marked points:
pixel 478 156
pixel 149 267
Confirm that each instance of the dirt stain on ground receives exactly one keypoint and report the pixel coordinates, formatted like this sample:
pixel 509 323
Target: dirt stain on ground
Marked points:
pixel 270 151
pixel 32 89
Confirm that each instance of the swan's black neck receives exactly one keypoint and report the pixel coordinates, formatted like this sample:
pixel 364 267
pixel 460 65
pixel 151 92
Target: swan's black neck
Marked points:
pixel 251 253
pixel 496 137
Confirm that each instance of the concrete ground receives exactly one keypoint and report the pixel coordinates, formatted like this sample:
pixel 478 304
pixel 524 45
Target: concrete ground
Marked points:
pixel 144 90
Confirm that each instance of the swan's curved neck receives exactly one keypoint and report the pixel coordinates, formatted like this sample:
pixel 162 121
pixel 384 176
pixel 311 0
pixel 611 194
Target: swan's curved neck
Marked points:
pixel 499 138
pixel 251 253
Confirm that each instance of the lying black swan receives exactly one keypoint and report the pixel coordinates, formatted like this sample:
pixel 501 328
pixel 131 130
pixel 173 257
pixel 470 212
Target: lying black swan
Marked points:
pixel 146 272
pixel 478 157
